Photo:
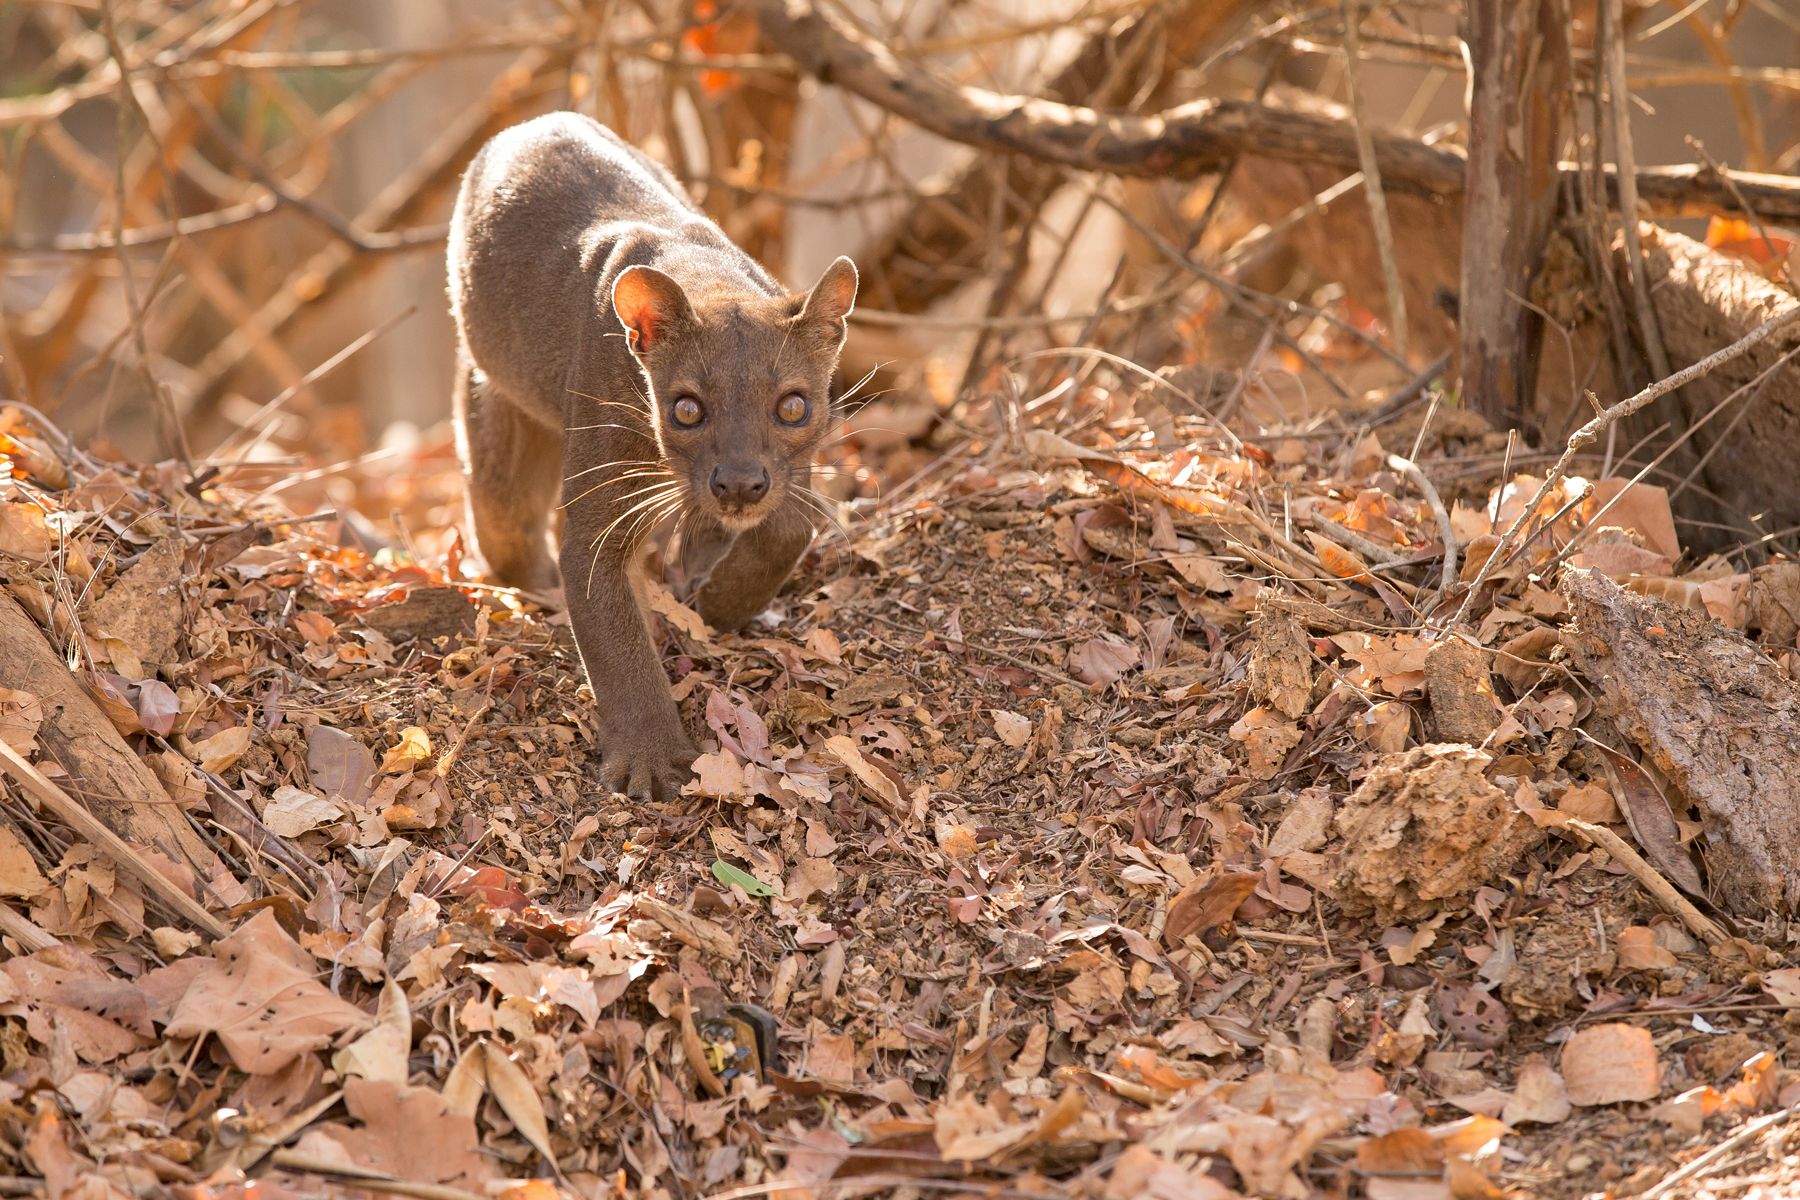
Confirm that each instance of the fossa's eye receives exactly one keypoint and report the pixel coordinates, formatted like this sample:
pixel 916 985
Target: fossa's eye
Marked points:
pixel 687 412
pixel 792 409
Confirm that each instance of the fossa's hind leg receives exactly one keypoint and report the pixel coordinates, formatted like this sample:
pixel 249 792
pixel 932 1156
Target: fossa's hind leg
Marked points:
pixel 512 472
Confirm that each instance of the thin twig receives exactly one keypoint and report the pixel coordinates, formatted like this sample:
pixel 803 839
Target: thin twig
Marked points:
pixel 74 813
pixel 372 1181
pixel 31 936
pixel 1618 412
pixel 1411 470
pixel 1612 49
pixel 165 404
pixel 1719 1152
pixel 1660 889
pixel 1371 171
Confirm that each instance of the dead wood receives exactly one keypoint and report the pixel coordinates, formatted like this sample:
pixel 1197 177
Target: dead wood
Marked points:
pixel 945 239
pixel 114 783
pixel 1191 139
pixel 1519 109
pixel 1718 719
pixel 1745 448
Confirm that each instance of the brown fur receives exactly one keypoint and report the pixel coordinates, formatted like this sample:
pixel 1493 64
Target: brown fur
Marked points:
pixel 591 296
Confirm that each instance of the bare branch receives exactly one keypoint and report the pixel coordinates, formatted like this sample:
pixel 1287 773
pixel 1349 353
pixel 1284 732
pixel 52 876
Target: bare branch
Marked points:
pixel 1191 139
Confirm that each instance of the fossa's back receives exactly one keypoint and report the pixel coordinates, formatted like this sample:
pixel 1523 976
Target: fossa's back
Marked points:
pixel 549 213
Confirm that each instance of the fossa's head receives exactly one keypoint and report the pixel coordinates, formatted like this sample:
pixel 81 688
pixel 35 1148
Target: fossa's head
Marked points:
pixel 740 395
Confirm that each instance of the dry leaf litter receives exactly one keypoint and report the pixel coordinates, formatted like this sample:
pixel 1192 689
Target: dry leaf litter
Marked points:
pixel 1110 814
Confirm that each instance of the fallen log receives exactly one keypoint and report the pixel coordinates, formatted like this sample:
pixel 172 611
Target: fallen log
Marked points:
pixel 1717 718
pixel 1750 406
pixel 1191 139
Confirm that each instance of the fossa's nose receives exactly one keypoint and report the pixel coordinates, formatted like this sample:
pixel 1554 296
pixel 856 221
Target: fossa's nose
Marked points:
pixel 739 485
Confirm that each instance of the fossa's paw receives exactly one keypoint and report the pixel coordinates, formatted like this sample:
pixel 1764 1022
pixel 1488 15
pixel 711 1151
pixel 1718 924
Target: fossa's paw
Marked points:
pixel 648 764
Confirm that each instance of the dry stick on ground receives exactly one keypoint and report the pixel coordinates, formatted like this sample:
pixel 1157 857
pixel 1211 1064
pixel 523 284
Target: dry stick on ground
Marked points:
pixel 115 781
pixel 1718 1153
pixel 367 1180
pixel 1593 428
pixel 1664 892
pixel 1191 139
pixel 72 812
pixel 30 936
pixel 1435 502
pixel 1371 172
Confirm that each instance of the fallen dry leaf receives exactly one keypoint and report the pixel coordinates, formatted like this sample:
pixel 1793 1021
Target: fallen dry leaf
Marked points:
pixel 222 749
pixel 1638 950
pixel 339 765
pixel 413 748
pixel 1013 729
pixel 1783 986
pixel 19 874
pixel 258 994
pixel 511 1088
pixel 873 778
pixel 292 811
pixel 143 606
pixel 1539 1095
pixel 380 1054
pixel 410 1133
pixel 1204 905
pixel 20 715
pixel 1610 1064
pixel 1102 661
pixel 23 532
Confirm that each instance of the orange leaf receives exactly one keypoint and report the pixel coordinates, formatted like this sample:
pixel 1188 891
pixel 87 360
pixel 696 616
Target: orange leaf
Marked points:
pixel 1401 1152
pixel 1153 1071
pixel 1336 559
pixel 1739 238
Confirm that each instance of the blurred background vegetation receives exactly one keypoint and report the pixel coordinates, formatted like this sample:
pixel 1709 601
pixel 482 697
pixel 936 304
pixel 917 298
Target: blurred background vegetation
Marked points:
pixel 221 221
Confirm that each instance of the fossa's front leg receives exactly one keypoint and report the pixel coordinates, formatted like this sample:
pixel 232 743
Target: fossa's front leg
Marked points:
pixel 747 575
pixel 645 750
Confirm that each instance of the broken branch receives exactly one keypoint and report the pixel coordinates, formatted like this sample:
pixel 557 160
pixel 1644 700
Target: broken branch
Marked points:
pixel 1190 139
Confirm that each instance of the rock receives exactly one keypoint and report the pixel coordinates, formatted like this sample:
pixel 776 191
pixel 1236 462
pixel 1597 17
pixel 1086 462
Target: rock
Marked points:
pixel 1423 831
pixel 1463 707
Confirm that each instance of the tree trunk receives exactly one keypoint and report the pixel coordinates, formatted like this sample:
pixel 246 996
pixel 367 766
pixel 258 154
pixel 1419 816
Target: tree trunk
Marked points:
pixel 1519 109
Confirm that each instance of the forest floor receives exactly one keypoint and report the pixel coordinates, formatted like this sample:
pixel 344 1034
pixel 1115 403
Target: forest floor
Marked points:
pixel 1096 814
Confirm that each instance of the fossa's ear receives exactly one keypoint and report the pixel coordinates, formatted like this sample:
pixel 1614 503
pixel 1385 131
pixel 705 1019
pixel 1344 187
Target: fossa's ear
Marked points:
pixel 650 305
pixel 831 299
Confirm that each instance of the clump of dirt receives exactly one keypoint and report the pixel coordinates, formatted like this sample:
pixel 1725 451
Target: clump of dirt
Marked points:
pixel 1556 960
pixel 1426 827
